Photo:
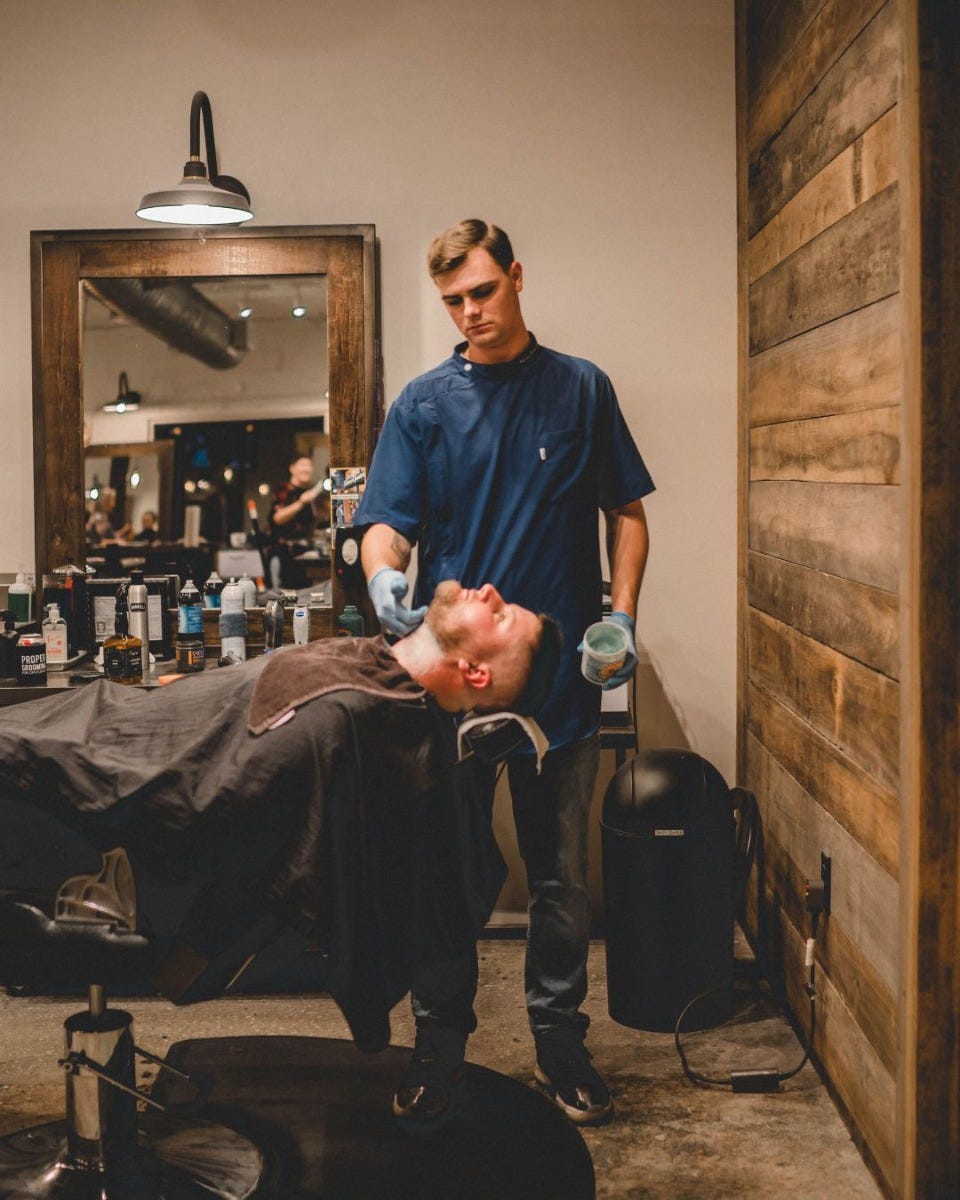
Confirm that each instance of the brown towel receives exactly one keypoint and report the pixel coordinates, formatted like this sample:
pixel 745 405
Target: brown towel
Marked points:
pixel 296 674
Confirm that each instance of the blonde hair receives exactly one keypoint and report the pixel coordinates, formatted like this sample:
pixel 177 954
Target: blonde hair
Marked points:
pixel 448 251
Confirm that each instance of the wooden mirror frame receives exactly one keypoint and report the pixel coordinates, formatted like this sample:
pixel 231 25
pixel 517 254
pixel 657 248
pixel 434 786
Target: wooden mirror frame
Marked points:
pixel 62 260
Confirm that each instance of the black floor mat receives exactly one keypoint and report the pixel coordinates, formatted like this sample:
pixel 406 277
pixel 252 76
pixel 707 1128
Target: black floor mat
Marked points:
pixel 321 1111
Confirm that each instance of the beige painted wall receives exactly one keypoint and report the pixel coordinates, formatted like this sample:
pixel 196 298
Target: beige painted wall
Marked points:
pixel 599 133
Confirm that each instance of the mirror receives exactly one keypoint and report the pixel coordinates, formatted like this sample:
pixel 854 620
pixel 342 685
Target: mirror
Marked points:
pixel 99 299
pixel 233 373
pixel 131 483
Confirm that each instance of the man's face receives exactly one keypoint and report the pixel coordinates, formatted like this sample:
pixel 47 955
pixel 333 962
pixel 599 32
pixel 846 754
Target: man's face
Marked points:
pixel 301 472
pixel 484 304
pixel 481 627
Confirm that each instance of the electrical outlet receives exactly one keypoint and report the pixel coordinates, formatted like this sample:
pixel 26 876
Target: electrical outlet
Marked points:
pixel 825 873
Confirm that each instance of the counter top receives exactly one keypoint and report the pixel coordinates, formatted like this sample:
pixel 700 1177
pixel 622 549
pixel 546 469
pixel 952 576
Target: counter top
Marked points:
pixel 12 692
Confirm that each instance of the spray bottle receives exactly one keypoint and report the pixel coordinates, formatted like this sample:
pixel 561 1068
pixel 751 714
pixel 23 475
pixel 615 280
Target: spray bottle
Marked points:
pixel 249 589
pixel 139 615
pixel 233 623
pixel 212 591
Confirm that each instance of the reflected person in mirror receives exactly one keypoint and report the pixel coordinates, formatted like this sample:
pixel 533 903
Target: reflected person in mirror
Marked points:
pixel 293 515
pixel 496 464
pixel 99 529
pixel 147 533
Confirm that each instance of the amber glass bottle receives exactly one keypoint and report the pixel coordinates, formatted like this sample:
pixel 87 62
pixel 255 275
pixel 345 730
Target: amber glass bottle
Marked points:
pixel 123 653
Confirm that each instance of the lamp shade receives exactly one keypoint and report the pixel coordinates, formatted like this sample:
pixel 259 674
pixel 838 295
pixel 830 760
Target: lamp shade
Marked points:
pixel 195 202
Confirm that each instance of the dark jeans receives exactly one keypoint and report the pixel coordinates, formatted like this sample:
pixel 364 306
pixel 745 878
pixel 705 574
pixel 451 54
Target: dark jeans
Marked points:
pixel 551 812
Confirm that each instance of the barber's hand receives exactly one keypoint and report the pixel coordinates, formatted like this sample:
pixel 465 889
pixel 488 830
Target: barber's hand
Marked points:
pixel 630 662
pixel 386 589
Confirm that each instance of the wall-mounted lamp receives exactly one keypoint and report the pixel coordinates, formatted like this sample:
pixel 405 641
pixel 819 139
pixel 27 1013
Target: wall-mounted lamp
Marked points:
pixel 126 400
pixel 197 200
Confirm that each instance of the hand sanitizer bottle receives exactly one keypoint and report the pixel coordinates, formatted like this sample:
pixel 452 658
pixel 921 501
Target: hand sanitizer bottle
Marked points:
pixel 55 635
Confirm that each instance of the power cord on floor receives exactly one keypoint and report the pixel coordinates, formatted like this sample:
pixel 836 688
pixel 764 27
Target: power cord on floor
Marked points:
pixel 764 1079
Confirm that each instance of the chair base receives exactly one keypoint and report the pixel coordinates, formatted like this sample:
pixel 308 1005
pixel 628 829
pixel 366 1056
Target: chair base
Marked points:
pixel 176 1159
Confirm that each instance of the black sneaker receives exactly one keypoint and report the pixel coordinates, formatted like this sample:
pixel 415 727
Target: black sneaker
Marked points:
pixel 564 1073
pixel 422 1099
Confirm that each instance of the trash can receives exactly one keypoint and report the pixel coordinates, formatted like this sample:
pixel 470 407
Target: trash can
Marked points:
pixel 668 845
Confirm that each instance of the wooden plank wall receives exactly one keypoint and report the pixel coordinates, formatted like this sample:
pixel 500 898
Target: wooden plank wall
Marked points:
pixel 929 1101
pixel 821 521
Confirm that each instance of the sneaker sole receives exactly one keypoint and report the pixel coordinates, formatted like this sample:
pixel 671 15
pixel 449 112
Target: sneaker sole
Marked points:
pixel 599 1115
pixel 412 1120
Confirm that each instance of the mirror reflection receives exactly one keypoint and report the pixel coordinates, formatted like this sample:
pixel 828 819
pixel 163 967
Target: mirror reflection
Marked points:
pixel 205 416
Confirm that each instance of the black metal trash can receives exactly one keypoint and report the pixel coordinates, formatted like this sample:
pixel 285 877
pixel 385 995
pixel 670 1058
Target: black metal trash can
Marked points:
pixel 668 843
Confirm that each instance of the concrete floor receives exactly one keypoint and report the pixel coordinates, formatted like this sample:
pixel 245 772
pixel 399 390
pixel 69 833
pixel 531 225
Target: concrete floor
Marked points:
pixel 670 1140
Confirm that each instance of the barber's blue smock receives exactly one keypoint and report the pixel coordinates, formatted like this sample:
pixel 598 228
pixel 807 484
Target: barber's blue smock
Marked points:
pixel 497 471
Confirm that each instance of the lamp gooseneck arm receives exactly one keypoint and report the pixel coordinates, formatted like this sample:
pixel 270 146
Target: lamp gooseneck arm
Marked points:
pixel 200 106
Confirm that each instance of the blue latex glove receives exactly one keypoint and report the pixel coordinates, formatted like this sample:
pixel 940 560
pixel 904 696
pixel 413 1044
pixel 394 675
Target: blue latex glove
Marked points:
pixel 386 589
pixel 630 662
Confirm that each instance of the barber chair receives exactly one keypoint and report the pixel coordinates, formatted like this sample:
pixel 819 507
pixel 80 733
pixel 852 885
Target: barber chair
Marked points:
pixel 86 936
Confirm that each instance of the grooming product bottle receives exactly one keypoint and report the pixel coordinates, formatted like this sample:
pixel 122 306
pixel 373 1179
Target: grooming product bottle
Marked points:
pixel 8 646
pixel 301 625
pixel 191 650
pixel 31 656
pixel 249 589
pixel 350 622
pixel 233 622
pixel 212 591
pixel 189 608
pixel 123 653
pixel 55 635
pixel 20 599
pixel 66 587
pixel 139 614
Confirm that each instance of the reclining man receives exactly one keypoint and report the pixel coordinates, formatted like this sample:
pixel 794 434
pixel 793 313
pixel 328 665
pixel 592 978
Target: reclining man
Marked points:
pixel 309 782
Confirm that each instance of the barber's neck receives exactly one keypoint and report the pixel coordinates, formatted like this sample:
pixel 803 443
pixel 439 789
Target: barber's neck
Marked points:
pixel 516 348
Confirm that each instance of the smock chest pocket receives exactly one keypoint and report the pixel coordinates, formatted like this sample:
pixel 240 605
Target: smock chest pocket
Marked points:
pixel 561 461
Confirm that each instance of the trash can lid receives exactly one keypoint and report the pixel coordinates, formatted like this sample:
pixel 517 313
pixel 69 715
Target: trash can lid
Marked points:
pixel 658 792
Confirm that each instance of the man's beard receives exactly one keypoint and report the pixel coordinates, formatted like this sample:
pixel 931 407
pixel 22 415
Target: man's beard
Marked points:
pixel 438 618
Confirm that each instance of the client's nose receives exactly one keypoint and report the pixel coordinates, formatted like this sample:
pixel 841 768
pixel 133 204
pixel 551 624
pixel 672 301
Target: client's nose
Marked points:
pixel 489 594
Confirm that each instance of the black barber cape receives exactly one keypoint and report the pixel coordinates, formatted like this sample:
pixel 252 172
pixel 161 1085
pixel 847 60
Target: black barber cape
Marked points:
pixel 346 813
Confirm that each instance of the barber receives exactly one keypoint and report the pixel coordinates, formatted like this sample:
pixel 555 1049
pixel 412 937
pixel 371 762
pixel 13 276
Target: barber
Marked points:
pixel 495 465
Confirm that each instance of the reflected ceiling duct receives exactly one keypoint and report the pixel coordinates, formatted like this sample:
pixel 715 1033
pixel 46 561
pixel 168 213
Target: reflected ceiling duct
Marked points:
pixel 179 314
